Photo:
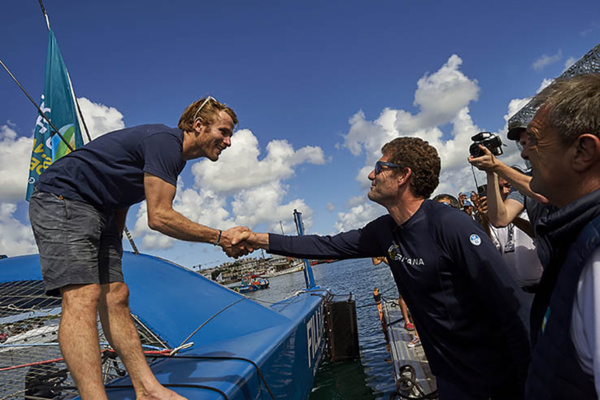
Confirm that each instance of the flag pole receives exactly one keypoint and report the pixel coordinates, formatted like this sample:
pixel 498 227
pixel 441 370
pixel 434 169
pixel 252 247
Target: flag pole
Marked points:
pixel 45 15
pixel 87 132
pixel 127 233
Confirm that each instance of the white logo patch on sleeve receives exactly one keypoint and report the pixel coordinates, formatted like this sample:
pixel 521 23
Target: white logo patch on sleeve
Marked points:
pixel 475 239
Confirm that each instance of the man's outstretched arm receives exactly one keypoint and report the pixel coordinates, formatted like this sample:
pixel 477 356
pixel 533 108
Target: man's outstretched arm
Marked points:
pixel 163 218
pixel 352 244
pixel 254 240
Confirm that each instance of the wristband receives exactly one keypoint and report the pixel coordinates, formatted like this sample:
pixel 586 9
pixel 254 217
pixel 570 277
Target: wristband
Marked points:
pixel 219 238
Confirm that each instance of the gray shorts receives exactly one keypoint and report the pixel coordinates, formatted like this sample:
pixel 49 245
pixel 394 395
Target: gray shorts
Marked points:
pixel 78 244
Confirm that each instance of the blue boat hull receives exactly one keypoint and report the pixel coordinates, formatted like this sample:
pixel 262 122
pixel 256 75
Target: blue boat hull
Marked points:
pixel 284 341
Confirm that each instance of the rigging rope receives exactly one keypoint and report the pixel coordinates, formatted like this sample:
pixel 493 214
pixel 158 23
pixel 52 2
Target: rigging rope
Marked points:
pixel 211 318
pixel 37 107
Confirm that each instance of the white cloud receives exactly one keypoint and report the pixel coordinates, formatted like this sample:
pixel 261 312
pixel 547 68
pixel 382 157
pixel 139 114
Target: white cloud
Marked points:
pixel 442 99
pixel 15 153
pixel 16 238
pixel 546 60
pixel 544 83
pixel 330 207
pixel 239 167
pixel 442 94
pixel 100 119
pixel 570 61
pixel 252 188
pixel 265 204
pixel 514 106
pixel 361 212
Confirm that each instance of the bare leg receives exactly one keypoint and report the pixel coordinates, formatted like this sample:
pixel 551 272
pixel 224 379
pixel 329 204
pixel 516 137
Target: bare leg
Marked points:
pixel 121 333
pixel 404 309
pixel 78 339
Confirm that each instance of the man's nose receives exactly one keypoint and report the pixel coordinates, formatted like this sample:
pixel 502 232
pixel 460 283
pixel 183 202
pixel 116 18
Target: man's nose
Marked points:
pixel 371 175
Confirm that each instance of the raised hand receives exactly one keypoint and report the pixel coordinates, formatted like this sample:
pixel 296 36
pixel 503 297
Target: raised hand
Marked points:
pixel 487 162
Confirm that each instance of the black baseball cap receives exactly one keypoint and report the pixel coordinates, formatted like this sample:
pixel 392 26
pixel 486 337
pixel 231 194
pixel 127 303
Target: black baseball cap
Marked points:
pixel 514 129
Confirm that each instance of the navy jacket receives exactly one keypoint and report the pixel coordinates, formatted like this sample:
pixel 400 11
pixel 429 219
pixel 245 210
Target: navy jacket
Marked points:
pixel 470 313
pixel 569 236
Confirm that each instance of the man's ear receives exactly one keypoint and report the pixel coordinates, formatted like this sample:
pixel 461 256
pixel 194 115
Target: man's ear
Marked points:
pixel 404 176
pixel 198 125
pixel 587 152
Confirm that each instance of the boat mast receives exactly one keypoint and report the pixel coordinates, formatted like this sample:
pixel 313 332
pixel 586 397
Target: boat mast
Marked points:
pixel 308 272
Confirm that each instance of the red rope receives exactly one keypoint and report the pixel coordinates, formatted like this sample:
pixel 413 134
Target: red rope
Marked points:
pixel 31 364
pixel 147 352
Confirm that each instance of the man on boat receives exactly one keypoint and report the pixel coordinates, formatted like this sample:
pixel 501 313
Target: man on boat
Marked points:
pixel 470 312
pixel 78 213
pixel 563 147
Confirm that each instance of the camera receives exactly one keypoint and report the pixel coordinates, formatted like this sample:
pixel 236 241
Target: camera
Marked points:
pixel 482 190
pixel 486 139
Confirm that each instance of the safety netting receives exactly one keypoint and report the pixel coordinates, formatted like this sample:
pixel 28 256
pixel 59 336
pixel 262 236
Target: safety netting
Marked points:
pixel 31 364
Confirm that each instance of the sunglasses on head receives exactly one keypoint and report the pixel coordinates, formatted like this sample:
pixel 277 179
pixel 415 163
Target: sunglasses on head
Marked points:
pixel 202 105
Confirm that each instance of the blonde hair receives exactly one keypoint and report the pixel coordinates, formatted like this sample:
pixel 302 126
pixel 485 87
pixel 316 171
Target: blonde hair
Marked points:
pixel 208 114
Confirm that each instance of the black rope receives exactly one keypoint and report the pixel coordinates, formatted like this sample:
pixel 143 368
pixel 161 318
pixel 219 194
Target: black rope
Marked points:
pixel 37 107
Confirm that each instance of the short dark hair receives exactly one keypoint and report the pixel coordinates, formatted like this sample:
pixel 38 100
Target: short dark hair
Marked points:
pixel 421 158
pixel 208 114
pixel 572 106
pixel 444 196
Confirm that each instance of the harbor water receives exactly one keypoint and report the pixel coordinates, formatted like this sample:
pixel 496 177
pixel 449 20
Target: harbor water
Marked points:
pixel 372 376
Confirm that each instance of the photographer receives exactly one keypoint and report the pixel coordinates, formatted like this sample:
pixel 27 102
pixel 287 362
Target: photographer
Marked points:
pixel 510 224
pixel 500 212
pixel 514 242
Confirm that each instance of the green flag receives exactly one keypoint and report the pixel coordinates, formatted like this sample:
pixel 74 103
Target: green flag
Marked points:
pixel 58 105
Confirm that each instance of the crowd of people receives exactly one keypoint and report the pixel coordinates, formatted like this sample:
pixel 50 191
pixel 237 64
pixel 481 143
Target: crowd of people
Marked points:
pixel 500 282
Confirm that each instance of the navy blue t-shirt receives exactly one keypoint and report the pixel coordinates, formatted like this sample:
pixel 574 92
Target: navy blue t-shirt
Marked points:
pixel 108 172
pixel 470 313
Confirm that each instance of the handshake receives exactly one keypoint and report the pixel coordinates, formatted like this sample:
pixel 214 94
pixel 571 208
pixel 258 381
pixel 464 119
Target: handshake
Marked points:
pixel 240 241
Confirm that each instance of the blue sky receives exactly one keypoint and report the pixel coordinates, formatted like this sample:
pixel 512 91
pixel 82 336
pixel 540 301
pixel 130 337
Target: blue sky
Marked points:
pixel 318 88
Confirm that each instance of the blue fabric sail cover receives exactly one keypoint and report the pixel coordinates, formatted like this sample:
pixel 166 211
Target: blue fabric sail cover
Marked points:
pixel 59 106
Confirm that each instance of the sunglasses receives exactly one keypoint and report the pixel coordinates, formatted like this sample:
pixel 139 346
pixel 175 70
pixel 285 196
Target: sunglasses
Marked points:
pixel 202 105
pixel 380 164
